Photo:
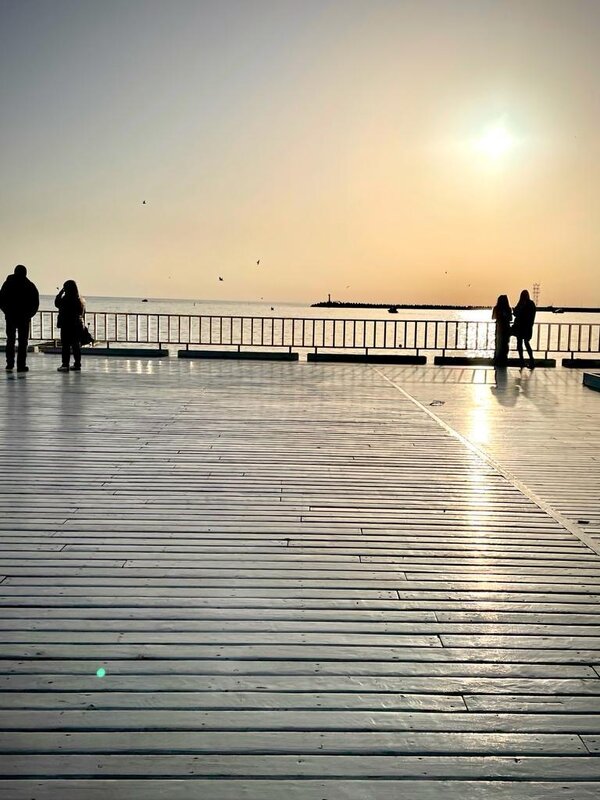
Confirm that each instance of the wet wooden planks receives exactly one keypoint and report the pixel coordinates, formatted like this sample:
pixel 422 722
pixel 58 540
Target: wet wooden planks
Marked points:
pixel 194 788
pixel 518 415
pixel 296 582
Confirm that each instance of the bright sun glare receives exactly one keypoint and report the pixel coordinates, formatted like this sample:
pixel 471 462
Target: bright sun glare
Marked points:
pixel 495 142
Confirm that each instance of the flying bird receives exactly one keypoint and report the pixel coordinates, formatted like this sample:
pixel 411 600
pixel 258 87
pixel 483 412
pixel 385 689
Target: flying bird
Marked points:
pixel 220 278
pixel 258 262
pixel 143 202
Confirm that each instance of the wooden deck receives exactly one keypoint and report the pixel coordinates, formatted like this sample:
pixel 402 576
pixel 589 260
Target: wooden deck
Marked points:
pixel 304 581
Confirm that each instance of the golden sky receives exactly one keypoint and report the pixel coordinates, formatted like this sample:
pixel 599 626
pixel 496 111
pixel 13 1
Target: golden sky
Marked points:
pixel 381 150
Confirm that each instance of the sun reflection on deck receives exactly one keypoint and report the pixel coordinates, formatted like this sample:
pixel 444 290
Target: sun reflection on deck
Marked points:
pixel 479 422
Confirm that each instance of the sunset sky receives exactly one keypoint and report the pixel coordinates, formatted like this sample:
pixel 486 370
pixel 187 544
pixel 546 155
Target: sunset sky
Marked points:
pixel 381 150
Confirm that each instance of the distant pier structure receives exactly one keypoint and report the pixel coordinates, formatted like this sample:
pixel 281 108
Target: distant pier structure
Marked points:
pixel 536 293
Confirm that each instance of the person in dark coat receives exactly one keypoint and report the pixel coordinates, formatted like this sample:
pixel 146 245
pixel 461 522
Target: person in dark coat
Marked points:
pixel 70 321
pixel 19 300
pixel 524 313
pixel 502 313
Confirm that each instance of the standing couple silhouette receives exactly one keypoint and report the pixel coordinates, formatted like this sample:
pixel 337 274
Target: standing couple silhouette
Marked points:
pixel 20 300
pixel 521 328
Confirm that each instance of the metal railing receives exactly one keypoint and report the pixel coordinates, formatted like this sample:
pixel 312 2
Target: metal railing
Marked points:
pixel 366 335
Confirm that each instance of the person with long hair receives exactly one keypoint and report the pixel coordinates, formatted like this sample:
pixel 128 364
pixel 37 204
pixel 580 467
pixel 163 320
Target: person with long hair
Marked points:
pixel 71 309
pixel 502 313
pixel 524 313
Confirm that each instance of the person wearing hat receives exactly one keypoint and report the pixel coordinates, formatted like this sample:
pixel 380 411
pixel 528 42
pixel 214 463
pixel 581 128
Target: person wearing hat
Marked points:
pixel 19 300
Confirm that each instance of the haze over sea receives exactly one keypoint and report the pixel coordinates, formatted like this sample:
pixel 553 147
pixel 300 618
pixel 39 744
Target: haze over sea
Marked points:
pixel 278 309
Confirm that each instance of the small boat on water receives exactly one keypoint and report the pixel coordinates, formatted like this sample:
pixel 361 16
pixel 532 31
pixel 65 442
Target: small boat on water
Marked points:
pixel 393 310
pixel 145 300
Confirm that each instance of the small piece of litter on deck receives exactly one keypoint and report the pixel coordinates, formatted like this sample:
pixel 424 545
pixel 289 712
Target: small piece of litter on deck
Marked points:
pixel 437 403
pixel 100 673
pixel 583 522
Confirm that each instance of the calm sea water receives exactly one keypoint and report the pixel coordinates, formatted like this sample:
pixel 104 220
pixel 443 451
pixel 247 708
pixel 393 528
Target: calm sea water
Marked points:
pixel 245 324
pixel 293 310
pixel 270 324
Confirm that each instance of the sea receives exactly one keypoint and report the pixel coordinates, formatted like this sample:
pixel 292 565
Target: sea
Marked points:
pixel 137 305
pixel 176 322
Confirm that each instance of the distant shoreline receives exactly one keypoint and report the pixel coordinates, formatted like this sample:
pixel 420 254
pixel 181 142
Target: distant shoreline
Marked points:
pixel 438 307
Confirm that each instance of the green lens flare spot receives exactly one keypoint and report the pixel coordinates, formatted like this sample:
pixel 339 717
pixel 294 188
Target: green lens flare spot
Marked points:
pixel 100 673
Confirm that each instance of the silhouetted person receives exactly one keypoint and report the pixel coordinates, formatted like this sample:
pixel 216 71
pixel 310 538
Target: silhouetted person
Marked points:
pixel 70 321
pixel 523 327
pixel 19 300
pixel 502 313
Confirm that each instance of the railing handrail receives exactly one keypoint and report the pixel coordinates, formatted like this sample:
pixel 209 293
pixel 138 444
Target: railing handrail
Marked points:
pixel 315 333
pixel 279 316
pixel 429 321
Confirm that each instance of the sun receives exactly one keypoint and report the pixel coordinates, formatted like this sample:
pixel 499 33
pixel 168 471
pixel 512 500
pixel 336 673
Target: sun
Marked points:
pixel 495 142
